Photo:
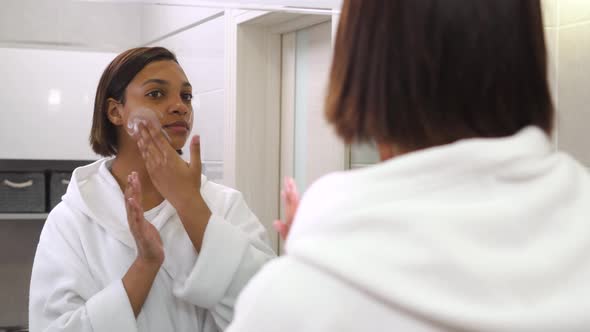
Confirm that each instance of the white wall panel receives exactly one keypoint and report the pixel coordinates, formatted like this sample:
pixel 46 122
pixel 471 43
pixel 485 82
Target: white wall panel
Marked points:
pixel 46 105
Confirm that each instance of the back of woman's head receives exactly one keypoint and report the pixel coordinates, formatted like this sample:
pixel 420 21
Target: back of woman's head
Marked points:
pixel 420 73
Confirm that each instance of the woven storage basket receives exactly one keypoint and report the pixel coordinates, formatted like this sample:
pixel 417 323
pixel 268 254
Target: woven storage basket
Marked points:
pixel 58 184
pixel 22 192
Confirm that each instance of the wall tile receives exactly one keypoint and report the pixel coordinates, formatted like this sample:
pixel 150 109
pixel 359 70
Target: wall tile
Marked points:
pixel 159 20
pixel 550 17
pixel 54 24
pixel 200 51
pixel 105 26
pixel 364 154
pixel 208 123
pixel 48 113
pixel 29 20
pixel 573 83
pixel 573 11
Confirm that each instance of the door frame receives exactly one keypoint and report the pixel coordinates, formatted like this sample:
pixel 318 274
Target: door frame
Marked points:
pixel 252 115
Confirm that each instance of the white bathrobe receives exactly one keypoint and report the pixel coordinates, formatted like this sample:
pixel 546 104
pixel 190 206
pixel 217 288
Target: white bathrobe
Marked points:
pixel 481 235
pixel 86 248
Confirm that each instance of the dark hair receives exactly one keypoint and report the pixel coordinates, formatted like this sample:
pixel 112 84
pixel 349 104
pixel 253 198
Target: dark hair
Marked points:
pixel 113 83
pixel 429 72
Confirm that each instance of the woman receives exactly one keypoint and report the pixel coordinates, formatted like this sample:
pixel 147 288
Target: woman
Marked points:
pixel 472 221
pixel 102 264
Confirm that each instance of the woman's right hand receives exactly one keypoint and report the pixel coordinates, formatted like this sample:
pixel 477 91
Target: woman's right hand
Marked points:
pixel 290 197
pixel 150 248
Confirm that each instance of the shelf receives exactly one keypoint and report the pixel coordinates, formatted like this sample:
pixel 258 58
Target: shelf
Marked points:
pixel 23 216
pixel 34 165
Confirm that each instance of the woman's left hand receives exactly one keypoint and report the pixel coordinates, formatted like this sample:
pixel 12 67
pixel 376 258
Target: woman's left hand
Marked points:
pixel 176 180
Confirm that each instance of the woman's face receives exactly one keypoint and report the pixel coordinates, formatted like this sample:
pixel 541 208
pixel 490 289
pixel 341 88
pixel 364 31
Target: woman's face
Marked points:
pixel 162 87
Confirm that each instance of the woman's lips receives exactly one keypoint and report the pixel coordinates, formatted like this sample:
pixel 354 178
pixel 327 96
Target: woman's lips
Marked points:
pixel 179 127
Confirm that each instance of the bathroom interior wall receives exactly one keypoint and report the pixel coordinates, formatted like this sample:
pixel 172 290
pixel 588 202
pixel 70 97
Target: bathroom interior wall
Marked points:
pixel 67 24
pixel 47 111
pixel 572 76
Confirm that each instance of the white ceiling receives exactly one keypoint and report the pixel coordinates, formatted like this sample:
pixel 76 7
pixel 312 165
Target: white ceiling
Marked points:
pixel 116 24
pixel 295 3
pixel 324 4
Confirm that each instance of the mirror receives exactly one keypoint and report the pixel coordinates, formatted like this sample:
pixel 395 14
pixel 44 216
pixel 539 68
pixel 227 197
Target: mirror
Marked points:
pixel 239 56
pixel 53 53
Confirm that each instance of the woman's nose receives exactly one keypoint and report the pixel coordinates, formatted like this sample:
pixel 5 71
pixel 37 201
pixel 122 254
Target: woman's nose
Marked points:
pixel 179 108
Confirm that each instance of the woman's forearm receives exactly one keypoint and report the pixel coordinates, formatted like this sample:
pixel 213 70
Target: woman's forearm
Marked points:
pixel 195 216
pixel 138 282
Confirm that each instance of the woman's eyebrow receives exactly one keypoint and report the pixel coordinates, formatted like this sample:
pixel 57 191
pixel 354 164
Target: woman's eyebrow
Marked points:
pixel 156 80
pixel 164 82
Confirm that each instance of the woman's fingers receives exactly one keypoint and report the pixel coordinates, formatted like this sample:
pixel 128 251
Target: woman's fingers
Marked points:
pixel 151 155
pixel 128 195
pixel 158 138
pixel 291 198
pixel 137 193
pixel 133 197
pixel 281 228
pixel 149 148
pixel 138 213
pixel 131 217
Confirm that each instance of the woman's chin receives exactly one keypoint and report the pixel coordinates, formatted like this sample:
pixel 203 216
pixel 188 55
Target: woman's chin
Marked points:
pixel 178 143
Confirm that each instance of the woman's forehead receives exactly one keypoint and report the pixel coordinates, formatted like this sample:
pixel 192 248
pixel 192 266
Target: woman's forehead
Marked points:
pixel 168 71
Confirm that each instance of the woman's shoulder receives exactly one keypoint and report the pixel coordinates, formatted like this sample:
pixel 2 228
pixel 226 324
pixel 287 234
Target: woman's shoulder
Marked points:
pixel 63 225
pixel 287 289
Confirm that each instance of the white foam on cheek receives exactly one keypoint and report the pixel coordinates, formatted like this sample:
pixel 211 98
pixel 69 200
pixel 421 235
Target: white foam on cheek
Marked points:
pixel 142 115
pixel 145 116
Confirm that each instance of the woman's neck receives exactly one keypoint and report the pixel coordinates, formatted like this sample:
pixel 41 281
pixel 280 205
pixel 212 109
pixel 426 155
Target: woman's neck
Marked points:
pixel 129 160
pixel 388 151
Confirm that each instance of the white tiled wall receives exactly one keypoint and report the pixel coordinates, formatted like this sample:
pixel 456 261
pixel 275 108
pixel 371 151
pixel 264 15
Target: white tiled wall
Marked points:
pixel 362 155
pixel 159 20
pixel 573 12
pixel 47 101
pixel 573 78
pixel 70 24
pixel 295 3
pixel 104 26
pixel 549 13
pixel 550 21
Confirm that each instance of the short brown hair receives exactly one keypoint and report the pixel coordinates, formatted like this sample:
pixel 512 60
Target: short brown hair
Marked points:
pixel 424 73
pixel 113 83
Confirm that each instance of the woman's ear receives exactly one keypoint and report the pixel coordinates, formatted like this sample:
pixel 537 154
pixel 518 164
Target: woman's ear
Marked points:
pixel 114 112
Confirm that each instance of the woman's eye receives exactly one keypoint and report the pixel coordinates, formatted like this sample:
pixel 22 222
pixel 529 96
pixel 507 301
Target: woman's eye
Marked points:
pixel 187 96
pixel 155 94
